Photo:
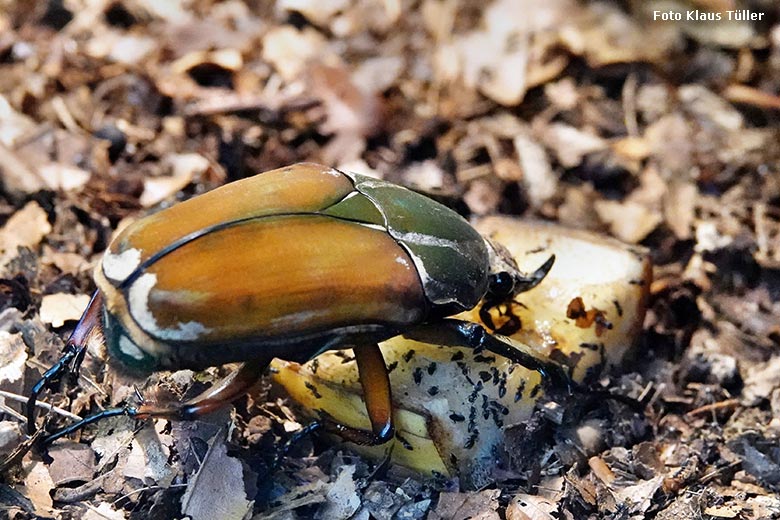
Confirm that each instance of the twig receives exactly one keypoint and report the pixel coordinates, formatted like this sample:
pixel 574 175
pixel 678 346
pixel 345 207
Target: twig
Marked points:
pixel 46 406
pixel 713 407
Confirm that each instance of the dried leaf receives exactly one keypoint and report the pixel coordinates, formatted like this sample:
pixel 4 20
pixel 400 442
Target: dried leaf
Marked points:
pixel 531 507
pixel 538 177
pixel 71 462
pixel 38 486
pixel 628 221
pixel 10 436
pixel 342 498
pixel 217 490
pixel 58 308
pixel 571 144
pixel 104 511
pixel 184 168
pixel 26 228
pixel 13 355
pixel 465 506
pixel 148 459
pixel 318 12
pixel 289 49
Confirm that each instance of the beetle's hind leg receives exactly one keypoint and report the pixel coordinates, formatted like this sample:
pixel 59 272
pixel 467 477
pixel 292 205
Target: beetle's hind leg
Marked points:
pixel 220 394
pixel 376 393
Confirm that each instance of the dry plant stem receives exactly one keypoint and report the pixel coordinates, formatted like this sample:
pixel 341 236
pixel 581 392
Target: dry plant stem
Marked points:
pixel 39 404
pixel 720 405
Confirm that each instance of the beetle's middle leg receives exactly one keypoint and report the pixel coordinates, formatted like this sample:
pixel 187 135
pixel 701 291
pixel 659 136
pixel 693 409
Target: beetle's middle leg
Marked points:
pixel 220 394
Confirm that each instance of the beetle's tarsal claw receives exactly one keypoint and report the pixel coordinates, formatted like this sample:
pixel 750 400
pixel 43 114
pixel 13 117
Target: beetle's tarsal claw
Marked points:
pixel 138 395
pixel 292 441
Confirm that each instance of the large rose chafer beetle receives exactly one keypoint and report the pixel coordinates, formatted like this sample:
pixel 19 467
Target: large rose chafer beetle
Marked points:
pixel 288 264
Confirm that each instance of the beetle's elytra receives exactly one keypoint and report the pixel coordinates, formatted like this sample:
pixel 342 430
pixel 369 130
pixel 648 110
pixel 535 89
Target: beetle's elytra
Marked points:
pixel 287 264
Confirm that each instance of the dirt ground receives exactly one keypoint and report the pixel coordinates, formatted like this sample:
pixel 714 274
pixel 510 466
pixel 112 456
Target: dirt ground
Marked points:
pixel 654 122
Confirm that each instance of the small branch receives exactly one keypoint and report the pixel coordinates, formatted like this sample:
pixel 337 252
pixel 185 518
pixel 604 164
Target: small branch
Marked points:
pixel 39 404
pixel 714 407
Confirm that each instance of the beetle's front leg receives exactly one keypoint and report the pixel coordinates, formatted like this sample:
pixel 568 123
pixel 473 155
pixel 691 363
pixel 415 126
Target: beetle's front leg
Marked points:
pixel 459 333
pixel 72 356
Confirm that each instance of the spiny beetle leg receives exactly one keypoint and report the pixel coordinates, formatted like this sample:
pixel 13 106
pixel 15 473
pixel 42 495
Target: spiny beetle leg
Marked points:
pixel 511 326
pixel 109 412
pixel 458 333
pixel 50 379
pixel 220 394
pixel 292 441
pixel 72 357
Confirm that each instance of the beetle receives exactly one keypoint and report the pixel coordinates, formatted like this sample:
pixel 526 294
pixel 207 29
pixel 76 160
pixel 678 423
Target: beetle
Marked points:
pixel 291 263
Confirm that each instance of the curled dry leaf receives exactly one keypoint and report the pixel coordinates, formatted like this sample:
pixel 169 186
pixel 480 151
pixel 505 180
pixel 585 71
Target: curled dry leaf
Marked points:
pixel 629 221
pixel 58 308
pixel 13 355
pixel 531 507
pixel 184 168
pixel 25 228
pixel 290 50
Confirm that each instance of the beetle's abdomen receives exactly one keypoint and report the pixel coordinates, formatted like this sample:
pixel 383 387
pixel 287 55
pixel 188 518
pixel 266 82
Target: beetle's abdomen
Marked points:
pixel 272 277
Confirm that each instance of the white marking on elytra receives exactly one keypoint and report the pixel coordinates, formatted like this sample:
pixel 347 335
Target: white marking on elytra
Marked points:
pixel 401 260
pixel 129 348
pixel 426 240
pixel 138 302
pixel 118 267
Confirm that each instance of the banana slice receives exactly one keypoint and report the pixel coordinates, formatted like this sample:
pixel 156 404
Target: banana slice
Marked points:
pixel 452 405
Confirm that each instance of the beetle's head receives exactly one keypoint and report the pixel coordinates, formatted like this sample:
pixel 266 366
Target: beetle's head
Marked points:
pixel 506 279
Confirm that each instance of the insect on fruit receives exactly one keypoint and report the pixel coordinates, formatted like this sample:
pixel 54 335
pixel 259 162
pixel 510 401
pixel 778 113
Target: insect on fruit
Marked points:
pixel 288 264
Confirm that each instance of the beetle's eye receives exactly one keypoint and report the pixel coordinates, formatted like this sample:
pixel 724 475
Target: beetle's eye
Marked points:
pixel 501 284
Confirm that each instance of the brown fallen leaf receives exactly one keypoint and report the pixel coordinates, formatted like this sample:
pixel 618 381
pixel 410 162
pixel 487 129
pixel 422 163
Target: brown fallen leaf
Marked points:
pixel 628 221
pixel 531 507
pixel 37 487
pixel 71 462
pixel 13 355
pixel 464 506
pixel 25 228
pixel 217 489
pixel 58 308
